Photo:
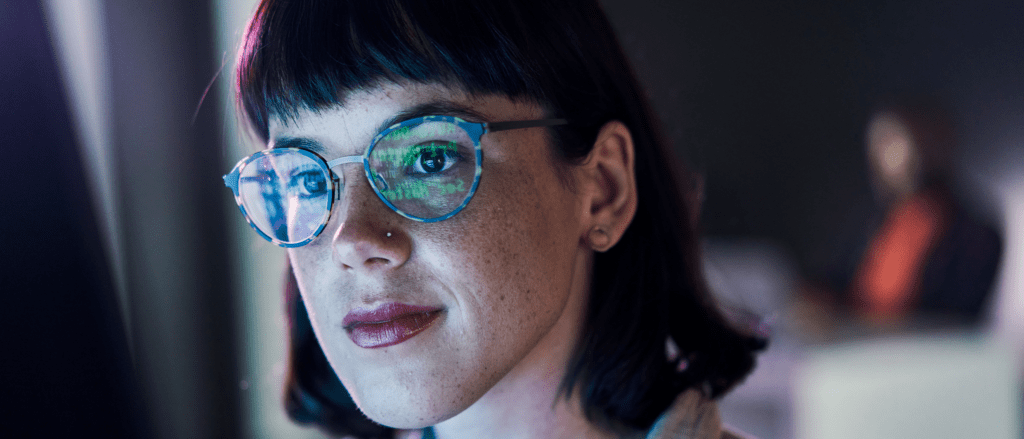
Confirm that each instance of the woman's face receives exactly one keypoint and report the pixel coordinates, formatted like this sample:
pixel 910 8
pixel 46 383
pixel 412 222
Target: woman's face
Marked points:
pixel 477 292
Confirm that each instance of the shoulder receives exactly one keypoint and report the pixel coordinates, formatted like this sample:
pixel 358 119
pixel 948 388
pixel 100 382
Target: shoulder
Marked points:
pixel 728 434
pixel 691 416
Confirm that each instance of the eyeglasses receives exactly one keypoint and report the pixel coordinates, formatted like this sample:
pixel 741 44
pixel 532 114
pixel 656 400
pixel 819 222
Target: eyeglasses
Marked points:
pixel 425 169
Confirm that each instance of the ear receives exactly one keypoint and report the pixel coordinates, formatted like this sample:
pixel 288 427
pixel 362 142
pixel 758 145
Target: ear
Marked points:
pixel 608 187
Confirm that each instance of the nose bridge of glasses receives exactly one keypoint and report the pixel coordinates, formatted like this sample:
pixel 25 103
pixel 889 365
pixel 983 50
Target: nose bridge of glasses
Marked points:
pixel 338 162
pixel 343 160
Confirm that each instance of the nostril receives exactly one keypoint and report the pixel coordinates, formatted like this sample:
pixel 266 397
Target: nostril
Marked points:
pixel 377 261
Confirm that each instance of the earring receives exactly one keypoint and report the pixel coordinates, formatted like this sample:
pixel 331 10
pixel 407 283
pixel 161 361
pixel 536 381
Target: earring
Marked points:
pixel 599 239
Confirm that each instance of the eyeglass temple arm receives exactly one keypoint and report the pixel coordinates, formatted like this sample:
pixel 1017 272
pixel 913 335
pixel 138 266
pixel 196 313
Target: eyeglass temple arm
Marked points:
pixel 502 126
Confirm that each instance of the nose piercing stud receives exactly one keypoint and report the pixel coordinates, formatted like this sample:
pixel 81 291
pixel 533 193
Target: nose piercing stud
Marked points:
pixel 389 234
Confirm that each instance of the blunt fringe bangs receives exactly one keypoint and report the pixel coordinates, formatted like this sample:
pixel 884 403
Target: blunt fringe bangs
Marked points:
pixel 311 54
pixel 562 55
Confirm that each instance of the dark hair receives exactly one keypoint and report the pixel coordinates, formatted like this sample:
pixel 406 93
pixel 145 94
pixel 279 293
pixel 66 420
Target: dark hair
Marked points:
pixel 562 55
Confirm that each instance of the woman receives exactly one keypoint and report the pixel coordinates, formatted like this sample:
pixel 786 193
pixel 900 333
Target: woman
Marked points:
pixel 513 257
pixel 920 258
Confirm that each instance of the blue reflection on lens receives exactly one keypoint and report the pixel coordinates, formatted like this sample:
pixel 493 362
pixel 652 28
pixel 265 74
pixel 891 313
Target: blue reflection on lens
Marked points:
pixel 272 199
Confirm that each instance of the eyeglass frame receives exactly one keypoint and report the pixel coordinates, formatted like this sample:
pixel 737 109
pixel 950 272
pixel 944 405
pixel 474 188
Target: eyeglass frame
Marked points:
pixel 475 130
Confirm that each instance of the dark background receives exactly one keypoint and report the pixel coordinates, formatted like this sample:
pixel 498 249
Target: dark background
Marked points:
pixel 769 99
pixel 67 367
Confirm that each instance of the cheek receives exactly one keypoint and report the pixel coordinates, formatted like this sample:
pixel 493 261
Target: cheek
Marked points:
pixel 306 262
pixel 520 244
pixel 303 263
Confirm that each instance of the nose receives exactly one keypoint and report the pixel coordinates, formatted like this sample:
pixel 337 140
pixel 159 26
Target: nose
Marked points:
pixel 370 236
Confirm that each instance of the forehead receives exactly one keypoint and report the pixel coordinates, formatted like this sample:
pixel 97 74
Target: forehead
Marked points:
pixel 349 127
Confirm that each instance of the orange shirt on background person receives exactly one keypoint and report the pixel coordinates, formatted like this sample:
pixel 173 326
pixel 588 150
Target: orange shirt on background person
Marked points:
pixel 887 282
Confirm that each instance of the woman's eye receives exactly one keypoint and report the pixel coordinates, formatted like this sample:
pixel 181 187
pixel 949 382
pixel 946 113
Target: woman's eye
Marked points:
pixel 310 183
pixel 435 157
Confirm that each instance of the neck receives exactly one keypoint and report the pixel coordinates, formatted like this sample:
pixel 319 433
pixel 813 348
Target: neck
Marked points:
pixel 527 402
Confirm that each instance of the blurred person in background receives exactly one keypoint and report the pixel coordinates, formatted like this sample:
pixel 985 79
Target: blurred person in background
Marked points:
pixel 509 256
pixel 923 259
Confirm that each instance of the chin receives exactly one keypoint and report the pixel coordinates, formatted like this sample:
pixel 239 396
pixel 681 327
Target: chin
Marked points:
pixel 403 413
pixel 408 405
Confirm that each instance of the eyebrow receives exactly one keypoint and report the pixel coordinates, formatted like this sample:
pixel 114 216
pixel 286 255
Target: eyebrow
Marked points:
pixel 299 142
pixel 439 107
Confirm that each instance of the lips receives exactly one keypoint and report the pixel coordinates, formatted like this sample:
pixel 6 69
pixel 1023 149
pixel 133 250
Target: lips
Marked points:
pixel 388 324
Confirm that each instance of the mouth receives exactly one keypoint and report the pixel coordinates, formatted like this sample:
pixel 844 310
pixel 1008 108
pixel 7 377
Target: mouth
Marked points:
pixel 388 324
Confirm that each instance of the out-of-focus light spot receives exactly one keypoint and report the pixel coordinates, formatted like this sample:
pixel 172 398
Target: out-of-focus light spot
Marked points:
pixel 909 387
pixel 1009 306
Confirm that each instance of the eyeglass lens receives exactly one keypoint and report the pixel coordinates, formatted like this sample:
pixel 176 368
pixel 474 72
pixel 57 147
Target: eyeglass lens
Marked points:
pixel 424 171
pixel 286 194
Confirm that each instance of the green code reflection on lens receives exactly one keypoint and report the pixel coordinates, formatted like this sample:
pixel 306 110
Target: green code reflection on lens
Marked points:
pixel 421 131
pixel 418 190
pixel 408 156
